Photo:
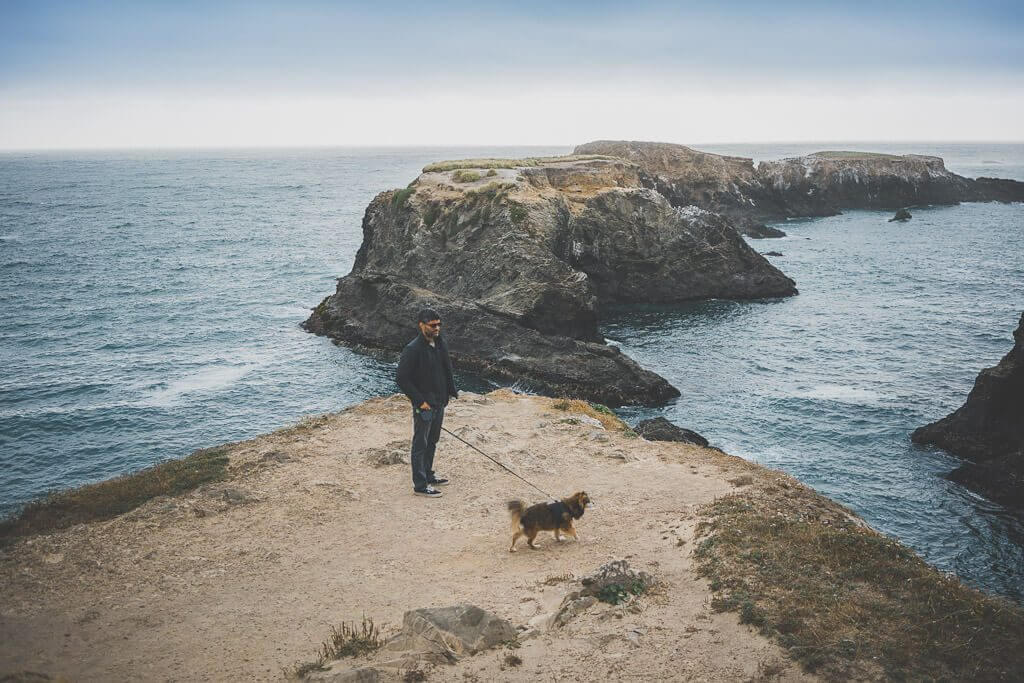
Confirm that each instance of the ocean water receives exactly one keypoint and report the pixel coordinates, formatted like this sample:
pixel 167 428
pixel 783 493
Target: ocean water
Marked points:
pixel 151 306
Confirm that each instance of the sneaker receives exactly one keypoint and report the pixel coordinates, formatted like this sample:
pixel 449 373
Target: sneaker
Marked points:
pixel 438 481
pixel 429 492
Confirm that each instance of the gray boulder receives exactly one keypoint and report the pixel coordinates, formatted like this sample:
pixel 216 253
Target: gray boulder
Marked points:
pixel 452 631
pixel 660 429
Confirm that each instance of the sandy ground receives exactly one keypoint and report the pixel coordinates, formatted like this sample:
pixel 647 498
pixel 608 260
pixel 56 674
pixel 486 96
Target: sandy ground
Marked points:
pixel 243 578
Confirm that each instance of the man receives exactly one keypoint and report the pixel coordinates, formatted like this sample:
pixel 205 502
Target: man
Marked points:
pixel 425 376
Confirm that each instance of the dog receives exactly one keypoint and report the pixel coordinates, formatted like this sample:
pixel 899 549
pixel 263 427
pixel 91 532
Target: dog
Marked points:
pixel 557 517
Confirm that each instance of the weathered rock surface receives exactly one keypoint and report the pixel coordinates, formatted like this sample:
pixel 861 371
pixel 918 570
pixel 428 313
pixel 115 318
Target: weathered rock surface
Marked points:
pixel 457 630
pixel 660 429
pixel 988 430
pixel 820 184
pixel 518 263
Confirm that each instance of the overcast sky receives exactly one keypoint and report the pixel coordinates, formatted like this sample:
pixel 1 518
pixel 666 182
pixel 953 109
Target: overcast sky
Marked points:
pixel 187 74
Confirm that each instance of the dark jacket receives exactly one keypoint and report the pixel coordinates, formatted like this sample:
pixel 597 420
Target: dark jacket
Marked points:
pixel 425 372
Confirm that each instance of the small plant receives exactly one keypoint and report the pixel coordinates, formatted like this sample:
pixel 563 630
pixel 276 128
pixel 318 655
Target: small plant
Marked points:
pixel 561 405
pixel 513 660
pixel 615 593
pixel 491 173
pixel 462 176
pixel 430 214
pixel 400 197
pixel 630 434
pixel 569 421
pixel 348 640
pixel 602 408
pixel 414 676
pixel 517 213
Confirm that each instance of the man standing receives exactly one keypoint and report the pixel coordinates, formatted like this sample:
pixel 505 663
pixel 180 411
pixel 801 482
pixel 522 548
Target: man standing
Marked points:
pixel 425 376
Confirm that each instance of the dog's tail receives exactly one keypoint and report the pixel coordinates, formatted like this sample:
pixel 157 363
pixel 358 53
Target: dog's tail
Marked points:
pixel 516 508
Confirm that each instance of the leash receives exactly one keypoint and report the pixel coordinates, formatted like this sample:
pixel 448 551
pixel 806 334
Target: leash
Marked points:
pixel 443 429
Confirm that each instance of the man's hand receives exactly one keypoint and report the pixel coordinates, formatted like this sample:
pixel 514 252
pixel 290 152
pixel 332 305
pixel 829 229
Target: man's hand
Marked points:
pixel 425 406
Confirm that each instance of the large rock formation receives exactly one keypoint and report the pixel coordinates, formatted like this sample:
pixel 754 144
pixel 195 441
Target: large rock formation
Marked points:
pixel 820 184
pixel 519 255
pixel 988 430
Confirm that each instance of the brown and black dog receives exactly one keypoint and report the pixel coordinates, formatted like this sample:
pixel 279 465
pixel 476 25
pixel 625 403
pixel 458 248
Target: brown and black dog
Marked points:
pixel 557 517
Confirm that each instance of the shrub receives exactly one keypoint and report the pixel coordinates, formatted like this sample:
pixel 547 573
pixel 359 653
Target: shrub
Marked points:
pixel 400 197
pixel 465 176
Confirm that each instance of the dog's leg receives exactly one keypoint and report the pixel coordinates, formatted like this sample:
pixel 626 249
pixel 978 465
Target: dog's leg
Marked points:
pixel 572 532
pixel 529 540
pixel 558 536
pixel 515 537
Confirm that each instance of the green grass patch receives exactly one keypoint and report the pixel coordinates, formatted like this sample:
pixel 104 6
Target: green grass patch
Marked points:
pixel 484 164
pixel 400 197
pixel 462 176
pixel 615 593
pixel 518 213
pixel 107 499
pixel 845 601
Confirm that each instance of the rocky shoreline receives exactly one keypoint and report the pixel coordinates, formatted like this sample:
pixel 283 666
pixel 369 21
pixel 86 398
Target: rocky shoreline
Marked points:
pixel 521 255
pixel 988 430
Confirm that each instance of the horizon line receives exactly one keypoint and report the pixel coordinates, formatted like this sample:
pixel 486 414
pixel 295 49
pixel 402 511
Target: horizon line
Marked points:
pixel 470 145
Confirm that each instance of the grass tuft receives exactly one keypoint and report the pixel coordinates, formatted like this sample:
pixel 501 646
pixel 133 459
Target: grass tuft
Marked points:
pixel 845 600
pixel 507 163
pixel 347 640
pixel 400 197
pixel 609 420
pixel 108 499
pixel 461 176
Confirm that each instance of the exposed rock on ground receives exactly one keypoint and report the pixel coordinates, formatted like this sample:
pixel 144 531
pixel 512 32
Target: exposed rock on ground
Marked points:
pixel 820 184
pixel 520 262
pixel 660 429
pixel 901 216
pixel 988 430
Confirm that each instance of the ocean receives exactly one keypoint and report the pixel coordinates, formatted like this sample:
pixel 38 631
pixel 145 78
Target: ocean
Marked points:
pixel 151 306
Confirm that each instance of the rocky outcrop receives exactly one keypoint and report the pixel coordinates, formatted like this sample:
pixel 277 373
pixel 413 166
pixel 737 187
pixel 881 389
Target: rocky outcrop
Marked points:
pixel 902 215
pixel 660 429
pixel 820 184
pixel 519 257
pixel 988 430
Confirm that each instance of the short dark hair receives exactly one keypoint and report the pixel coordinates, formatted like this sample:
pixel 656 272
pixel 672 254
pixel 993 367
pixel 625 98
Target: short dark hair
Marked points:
pixel 427 314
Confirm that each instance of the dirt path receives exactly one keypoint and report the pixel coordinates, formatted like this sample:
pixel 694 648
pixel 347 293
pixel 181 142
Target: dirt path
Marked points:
pixel 242 578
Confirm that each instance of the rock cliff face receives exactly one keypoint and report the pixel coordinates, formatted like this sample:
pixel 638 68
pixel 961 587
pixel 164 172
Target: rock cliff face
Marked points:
pixel 820 184
pixel 518 256
pixel 988 430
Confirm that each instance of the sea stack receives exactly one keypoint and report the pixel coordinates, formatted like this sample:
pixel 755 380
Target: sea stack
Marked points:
pixel 988 430
pixel 820 184
pixel 519 256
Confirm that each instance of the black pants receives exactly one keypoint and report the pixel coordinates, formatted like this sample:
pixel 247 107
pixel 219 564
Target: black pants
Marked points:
pixel 424 441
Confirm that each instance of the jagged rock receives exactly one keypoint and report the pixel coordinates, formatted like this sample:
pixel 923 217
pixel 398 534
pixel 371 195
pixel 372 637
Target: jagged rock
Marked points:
pixel 660 429
pixel 773 253
pixel 519 265
pixel 820 184
pixel 761 231
pixel 570 609
pixel 901 216
pixel 452 631
pixel 988 430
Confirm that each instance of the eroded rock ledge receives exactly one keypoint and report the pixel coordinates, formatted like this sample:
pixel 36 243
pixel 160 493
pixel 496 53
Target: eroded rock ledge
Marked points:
pixel 988 430
pixel 519 256
pixel 820 184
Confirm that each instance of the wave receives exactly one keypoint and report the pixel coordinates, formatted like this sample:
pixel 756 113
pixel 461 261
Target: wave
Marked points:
pixel 212 378
pixel 842 394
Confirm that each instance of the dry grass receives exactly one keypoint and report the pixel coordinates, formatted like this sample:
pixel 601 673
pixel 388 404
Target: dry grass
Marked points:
pixel 348 640
pixel 609 420
pixel 113 497
pixel 484 164
pixel 845 600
